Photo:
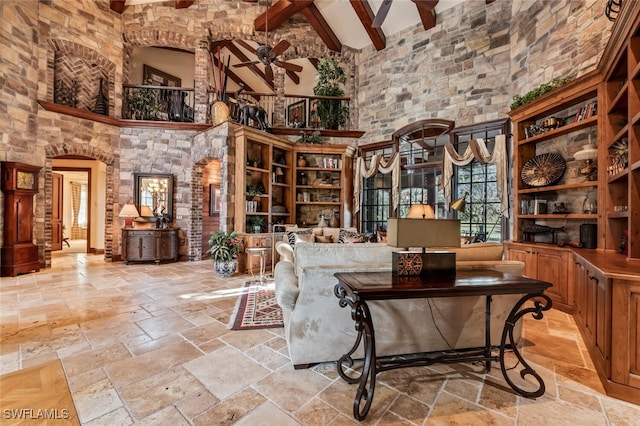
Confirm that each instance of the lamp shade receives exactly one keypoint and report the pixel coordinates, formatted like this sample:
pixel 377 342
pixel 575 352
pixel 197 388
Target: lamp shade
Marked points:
pixel 405 232
pixel 421 211
pixel 460 204
pixel 129 211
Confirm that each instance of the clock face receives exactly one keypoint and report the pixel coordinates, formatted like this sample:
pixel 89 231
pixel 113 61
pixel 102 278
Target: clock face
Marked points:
pixel 25 180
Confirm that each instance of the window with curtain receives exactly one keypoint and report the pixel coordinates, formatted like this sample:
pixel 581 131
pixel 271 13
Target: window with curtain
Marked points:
pixel 376 193
pixel 483 219
pixel 82 213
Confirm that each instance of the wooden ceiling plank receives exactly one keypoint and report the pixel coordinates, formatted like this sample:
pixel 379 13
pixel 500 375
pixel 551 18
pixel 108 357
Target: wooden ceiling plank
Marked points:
pixel 365 14
pixel 183 4
pixel 279 13
pixel 117 5
pixel 427 12
pixel 317 21
pixel 235 51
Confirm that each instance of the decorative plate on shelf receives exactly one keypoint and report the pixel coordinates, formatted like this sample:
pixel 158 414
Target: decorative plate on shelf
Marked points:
pixel 544 169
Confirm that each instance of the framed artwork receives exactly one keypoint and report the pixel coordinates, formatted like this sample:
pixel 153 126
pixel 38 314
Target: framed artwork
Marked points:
pixel 297 114
pixel 215 201
pixel 314 117
pixel 159 78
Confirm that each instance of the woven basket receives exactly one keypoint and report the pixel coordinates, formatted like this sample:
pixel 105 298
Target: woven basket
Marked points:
pixel 220 112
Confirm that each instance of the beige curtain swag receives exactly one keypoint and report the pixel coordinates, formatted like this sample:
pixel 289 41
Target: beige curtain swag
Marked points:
pixel 478 150
pixel 378 164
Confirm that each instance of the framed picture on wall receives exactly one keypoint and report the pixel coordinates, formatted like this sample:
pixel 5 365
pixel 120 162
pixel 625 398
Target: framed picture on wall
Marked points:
pixel 159 78
pixel 215 201
pixel 297 114
pixel 314 117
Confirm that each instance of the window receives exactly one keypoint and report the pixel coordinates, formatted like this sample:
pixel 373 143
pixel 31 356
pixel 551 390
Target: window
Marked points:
pixel 483 219
pixel 376 194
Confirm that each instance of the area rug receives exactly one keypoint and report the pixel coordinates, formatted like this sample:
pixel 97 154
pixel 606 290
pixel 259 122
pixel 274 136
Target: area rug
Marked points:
pixel 257 307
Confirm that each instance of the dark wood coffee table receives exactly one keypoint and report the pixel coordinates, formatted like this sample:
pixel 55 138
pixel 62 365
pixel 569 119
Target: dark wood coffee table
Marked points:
pixel 357 288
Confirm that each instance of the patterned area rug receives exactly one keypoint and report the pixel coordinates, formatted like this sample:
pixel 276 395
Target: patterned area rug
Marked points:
pixel 257 307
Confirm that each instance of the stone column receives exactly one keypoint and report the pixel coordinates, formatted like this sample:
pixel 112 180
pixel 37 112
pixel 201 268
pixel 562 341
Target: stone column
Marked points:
pixel 201 107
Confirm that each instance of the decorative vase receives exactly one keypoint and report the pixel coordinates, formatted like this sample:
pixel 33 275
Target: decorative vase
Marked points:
pixel 102 104
pixel 220 112
pixel 302 162
pixel 334 222
pixel 225 269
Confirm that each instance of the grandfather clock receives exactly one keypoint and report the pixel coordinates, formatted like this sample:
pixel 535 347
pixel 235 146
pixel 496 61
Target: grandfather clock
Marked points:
pixel 19 183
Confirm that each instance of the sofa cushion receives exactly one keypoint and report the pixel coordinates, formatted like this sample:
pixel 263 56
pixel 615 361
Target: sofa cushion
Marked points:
pixel 477 251
pixel 331 254
pixel 291 235
pixel 335 232
pixel 351 237
pixel 324 238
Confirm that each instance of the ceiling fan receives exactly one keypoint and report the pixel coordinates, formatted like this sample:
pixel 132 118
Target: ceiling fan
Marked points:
pixel 268 55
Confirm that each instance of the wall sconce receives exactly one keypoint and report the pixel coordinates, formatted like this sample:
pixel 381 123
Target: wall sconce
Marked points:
pixel 129 212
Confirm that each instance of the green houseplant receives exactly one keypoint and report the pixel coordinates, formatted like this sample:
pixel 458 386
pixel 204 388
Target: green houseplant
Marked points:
pixel 143 103
pixel 255 224
pixel 329 81
pixel 224 248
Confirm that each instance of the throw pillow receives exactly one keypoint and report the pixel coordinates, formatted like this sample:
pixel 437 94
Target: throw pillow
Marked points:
pixel 351 237
pixel 309 238
pixel 291 236
pixel 324 239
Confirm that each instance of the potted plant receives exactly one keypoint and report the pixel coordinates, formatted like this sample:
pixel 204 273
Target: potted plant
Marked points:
pixel 143 103
pixel 224 248
pixel 253 190
pixel 255 224
pixel 329 81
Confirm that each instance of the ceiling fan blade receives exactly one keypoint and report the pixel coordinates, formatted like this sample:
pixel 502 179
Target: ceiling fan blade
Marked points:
pixel 288 66
pixel 246 64
pixel 381 14
pixel 268 73
pixel 279 48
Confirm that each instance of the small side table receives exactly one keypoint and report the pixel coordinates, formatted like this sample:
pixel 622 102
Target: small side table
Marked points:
pixel 260 251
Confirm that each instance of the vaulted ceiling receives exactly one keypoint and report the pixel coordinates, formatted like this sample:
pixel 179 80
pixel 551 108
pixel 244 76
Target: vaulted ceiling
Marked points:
pixel 352 23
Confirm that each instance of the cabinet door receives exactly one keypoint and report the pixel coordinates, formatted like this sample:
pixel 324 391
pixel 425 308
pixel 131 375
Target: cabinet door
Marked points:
pixel 140 245
pixel 522 255
pixel 603 321
pixel 551 266
pixel 590 308
pixel 581 277
pixel 168 247
pixel 625 356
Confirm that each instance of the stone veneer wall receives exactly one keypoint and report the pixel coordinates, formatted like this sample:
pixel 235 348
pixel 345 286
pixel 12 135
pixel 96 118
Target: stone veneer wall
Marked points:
pixel 469 66
pixel 467 69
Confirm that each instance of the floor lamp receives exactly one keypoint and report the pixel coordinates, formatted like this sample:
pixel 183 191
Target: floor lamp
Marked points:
pixel 460 205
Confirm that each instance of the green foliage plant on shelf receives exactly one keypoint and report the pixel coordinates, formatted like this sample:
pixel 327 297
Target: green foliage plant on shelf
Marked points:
pixel 254 190
pixel 224 246
pixel 255 223
pixel 143 103
pixel 310 138
pixel 519 100
pixel 329 81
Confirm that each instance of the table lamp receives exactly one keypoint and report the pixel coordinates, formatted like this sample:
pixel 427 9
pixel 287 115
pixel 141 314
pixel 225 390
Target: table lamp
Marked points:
pixel 129 212
pixel 428 232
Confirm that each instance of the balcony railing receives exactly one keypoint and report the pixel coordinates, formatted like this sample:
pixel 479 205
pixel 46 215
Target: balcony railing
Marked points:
pixel 158 103
pixel 177 104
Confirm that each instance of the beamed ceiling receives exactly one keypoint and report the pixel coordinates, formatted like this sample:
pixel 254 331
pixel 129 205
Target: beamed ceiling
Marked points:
pixel 352 23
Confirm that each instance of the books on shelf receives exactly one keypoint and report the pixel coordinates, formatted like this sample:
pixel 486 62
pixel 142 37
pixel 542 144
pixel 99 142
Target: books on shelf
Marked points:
pixel 588 110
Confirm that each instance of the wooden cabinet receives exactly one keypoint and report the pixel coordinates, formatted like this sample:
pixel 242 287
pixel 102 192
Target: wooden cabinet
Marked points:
pixel 547 263
pixel 626 357
pixel 320 185
pixel 264 186
pixel 560 122
pixel 19 183
pixel 620 148
pixel 147 245
pixel 249 261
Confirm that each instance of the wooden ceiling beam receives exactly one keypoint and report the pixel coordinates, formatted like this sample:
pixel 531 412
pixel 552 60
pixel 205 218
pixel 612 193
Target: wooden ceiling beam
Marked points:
pixel 365 14
pixel 117 5
pixel 314 62
pixel 233 76
pixel 279 13
pixel 317 21
pixel 427 12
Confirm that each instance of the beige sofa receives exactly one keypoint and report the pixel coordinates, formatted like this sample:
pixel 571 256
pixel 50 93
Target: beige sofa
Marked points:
pixel 318 330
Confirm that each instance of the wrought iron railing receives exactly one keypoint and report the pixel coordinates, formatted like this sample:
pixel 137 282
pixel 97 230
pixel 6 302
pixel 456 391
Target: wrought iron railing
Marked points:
pixel 158 103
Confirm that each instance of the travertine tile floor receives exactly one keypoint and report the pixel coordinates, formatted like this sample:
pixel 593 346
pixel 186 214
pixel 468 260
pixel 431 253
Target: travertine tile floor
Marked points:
pixel 148 344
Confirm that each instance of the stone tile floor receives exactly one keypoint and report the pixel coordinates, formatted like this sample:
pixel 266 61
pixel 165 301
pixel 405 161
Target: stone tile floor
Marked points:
pixel 148 344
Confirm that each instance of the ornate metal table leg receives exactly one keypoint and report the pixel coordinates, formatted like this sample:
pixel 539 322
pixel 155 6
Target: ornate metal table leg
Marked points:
pixel 364 326
pixel 514 316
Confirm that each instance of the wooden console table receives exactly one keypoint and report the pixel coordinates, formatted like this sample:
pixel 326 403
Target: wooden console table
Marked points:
pixel 149 244
pixel 357 288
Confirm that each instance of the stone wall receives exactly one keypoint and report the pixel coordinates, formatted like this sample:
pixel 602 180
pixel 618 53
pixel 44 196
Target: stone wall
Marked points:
pixel 466 69
pixel 469 66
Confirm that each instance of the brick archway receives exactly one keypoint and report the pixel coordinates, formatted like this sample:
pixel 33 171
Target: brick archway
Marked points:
pixel 112 162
